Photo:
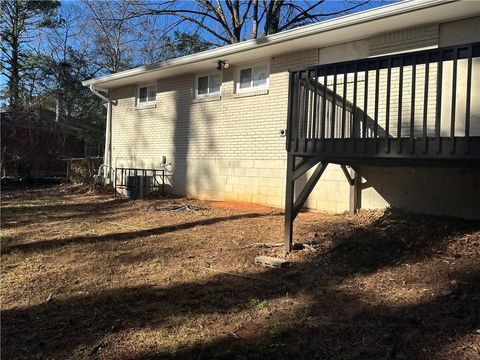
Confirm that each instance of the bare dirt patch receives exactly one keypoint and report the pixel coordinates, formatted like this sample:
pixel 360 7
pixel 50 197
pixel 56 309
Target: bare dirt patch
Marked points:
pixel 87 275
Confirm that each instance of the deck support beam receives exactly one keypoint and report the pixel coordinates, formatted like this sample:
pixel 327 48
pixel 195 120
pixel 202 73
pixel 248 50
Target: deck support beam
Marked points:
pixel 304 166
pixel 308 188
pixel 350 177
pixel 292 205
pixel 355 181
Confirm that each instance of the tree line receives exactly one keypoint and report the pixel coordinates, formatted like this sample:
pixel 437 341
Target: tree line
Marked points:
pixel 49 46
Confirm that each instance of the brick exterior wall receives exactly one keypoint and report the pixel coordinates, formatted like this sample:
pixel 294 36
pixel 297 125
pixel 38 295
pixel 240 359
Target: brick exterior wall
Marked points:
pixel 230 148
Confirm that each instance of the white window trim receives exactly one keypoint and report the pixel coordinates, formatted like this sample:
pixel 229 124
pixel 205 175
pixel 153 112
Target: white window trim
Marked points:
pixel 215 94
pixel 147 103
pixel 251 88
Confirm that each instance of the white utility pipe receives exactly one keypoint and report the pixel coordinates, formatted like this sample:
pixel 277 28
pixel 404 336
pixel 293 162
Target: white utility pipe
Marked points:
pixel 107 157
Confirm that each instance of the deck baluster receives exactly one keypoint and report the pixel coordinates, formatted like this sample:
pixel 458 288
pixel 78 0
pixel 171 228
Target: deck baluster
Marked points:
pixel 324 108
pixel 377 91
pixel 468 98
pixel 425 104
pixel 387 109
pixel 334 105
pixel 400 107
pixel 438 112
pixel 365 108
pixel 299 111
pixel 454 103
pixel 315 110
pixel 344 104
pixel 290 111
pixel 355 112
pixel 412 105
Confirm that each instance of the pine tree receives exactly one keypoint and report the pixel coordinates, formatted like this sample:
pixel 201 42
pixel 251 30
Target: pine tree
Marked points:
pixel 18 20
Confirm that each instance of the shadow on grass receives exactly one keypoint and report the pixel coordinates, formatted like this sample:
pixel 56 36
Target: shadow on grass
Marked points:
pixel 56 211
pixel 50 244
pixel 334 324
pixel 338 325
pixel 393 238
pixel 341 326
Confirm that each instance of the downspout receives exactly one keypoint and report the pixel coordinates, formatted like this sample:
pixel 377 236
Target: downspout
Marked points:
pixel 107 157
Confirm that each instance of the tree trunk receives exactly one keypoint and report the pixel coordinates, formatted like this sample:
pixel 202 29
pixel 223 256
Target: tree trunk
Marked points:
pixel 14 81
pixel 273 17
pixel 59 108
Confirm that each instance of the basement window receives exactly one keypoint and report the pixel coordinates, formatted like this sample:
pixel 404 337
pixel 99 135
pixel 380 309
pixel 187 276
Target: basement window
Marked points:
pixel 252 78
pixel 208 85
pixel 147 95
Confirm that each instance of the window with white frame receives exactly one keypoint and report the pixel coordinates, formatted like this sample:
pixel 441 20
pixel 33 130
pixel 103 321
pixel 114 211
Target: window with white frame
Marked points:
pixel 208 85
pixel 147 94
pixel 253 78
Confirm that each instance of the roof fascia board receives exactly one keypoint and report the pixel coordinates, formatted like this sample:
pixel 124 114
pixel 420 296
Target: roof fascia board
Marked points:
pixel 288 35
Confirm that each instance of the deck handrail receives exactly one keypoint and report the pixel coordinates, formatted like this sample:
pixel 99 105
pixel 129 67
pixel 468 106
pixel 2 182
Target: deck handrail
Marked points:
pixel 321 112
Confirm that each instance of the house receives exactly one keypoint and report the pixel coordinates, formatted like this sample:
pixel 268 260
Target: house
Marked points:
pixel 388 97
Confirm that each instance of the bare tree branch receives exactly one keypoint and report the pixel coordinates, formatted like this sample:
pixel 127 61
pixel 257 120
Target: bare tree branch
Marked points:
pixel 226 20
pixel 304 15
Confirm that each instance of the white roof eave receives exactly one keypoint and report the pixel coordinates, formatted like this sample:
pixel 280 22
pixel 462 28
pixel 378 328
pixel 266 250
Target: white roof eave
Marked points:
pixel 275 44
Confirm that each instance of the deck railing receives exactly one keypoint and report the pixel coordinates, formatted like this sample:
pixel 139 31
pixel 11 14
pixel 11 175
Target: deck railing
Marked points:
pixel 396 103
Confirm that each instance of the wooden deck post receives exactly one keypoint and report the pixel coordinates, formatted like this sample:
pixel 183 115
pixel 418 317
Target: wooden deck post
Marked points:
pixel 289 197
pixel 355 181
pixel 292 205
pixel 355 191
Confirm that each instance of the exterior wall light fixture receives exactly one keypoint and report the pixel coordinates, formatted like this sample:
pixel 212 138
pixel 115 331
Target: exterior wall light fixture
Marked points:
pixel 222 64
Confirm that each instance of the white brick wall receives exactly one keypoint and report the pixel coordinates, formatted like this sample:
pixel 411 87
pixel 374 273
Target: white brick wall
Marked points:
pixel 409 39
pixel 230 149
pixel 224 149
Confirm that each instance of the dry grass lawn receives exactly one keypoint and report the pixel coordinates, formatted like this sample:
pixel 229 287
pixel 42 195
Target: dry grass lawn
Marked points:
pixel 93 276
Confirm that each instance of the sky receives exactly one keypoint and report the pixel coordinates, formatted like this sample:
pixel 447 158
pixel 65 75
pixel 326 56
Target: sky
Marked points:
pixel 164 22
pixel 329 6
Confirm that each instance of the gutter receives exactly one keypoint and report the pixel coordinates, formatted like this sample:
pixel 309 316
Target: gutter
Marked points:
pixel 94 90
pixel 284 36
pixel 107 157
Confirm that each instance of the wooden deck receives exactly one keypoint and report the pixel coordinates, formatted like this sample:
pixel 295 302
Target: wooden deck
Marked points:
pixel 393 151
pixel 411 109
pixel 412 105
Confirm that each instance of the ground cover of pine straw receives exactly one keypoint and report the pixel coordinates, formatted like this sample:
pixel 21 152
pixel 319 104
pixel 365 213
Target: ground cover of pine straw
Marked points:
pixel 87 275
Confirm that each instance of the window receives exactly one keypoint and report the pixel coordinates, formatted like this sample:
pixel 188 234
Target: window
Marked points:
pixel 253 78
pixel 208 85
pixel 147 94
